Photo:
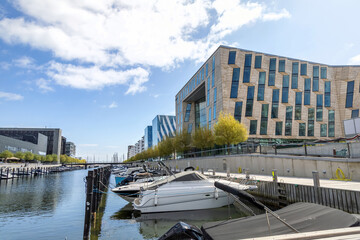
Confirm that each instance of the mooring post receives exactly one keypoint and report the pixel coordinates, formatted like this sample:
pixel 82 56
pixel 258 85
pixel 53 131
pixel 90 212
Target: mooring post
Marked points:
pixel 202 170
pixel 316 178
pixel 247 174
pixel 88 203
pixel 274 175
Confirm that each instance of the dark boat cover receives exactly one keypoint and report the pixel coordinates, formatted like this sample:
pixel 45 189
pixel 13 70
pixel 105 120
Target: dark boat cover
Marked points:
pixel 305 217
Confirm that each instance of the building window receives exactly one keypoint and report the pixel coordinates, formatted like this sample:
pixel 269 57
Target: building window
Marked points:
pixel 261 86
pixel 281 65
pixel 202 74
pixel 349 94
pixel 208 94
pixel 253 126
pixel 278 128
pixel 294 75
pixel 327 94
pixel 264 119
pixel 213 78
pixel 302 129
pixel 285 89
pixel 323 130
pixel 323 73
pixel 331 123
pixel 235 83
pixel 311 118
pixel 189 128
pixel 232 56
pixel 249 101
pixel 298 101
pixel 215 99
pixel 275 104
pixel 209 118
pixel 238 110
pixel 288 120
pixel 315 78
pixel 206 69
pixel 247 68
pixel 187 113
pixel 272 71
pixel 319 107
pixel 307 89
pixel 258 60
pixel 355 113
pixel 303 69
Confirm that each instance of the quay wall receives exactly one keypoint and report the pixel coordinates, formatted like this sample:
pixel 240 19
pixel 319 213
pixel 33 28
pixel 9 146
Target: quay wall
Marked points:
pixel 293 166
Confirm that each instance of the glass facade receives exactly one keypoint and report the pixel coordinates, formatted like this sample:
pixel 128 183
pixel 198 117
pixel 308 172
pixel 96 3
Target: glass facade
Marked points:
pixel 311 119
pixel 213 72
pixel 275 103
pixel 253 126
pixel 187 113
pixel 215 99
pixel 278 128
pixel 148 137
pixel 298 101
pixel 288 120
pixel 162 126
pixel 331 123
pixel 319 107
pixel 315 78
pixel 323 130
pixel 349 94
pixel 209 119
pixel 235 83
pixel 303 69
pixel 258 60
pixel 285 89
pixel 272 72
pixel 294 75
pixel 323 73
pixel 264 119
pixel 307 91
pixel 232 56
pixel 200 113
pixel 281 65
pixel 327 91
pixel 261 86
pixel 238 111
pixel 249 101
pixel 302 129
pixel 247 68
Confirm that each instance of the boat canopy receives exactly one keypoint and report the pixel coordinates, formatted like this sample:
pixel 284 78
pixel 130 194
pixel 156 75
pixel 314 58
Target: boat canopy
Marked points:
pixel 179 177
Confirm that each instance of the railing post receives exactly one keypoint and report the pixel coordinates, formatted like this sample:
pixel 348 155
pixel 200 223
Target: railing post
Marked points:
pixel 305 148
pixel 348 147
pixel 316 178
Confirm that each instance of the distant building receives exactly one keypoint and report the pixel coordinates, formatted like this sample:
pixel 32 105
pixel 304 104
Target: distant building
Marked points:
pixel 14 145
pixel 162 126
pixel 63 145
pixel 31 135
pixel 131 151
pixel 70 149
pixel 139 146
pixel 148 137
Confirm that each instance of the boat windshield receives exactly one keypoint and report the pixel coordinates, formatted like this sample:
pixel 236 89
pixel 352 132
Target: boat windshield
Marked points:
pixel 179 177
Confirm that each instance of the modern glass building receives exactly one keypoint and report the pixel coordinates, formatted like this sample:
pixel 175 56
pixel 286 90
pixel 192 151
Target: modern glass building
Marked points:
pixel 275 97
pixel 148 137
pixel 162 126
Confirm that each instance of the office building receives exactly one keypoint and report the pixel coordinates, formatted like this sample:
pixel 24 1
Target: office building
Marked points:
pixel 148 137
pixel 37 146
pixel 162 126
pixel 275 97
pixel 131 151
pixel 70 149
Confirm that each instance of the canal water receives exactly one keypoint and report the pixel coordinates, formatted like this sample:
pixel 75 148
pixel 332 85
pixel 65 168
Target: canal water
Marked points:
pixel 52 207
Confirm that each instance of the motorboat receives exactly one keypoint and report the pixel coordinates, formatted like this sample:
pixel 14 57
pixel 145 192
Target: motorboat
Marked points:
pixel 188 190
pixel 129 171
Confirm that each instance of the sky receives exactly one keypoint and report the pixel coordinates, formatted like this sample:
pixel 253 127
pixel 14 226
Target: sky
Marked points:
pixel 102 70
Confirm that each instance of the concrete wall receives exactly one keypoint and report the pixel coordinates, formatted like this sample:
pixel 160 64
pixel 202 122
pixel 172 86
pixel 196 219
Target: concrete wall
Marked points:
pixel 295 166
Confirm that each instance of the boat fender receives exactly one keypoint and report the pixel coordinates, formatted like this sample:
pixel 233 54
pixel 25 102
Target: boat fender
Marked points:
pixel 156 199
pixel 216 194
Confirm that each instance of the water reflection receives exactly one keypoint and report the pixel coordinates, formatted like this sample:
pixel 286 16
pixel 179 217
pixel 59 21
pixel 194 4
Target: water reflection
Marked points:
pixel 153 225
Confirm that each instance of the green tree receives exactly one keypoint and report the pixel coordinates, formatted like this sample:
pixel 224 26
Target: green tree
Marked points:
pixel 29 156
pixel 229 131
pixel 182 141
pixel 166 147
pixel 6 154
pixel 203 138
pixel 38 157
pixel 20 155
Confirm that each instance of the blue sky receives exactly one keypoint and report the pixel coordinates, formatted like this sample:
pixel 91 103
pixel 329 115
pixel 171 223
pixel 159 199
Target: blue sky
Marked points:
pixel 102 70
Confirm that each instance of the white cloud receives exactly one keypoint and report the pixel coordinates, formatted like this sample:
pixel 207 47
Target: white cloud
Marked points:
pixel 113 105
pixel 88 145
pixel 10 96
pixel 44 85
pixel 117 35
pixel 24 62
pixel 355 60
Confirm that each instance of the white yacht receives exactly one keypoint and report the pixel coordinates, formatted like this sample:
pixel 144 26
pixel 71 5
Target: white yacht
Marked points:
pixel 184 191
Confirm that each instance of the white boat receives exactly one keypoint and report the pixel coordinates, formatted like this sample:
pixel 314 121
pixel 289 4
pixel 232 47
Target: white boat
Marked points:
pixel 184 191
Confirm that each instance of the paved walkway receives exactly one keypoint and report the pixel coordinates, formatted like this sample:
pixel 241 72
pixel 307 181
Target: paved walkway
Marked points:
pixel 346 185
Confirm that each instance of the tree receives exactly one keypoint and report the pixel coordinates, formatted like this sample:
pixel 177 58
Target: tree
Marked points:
pixel 182 141
pixel 29 156
pixel 166 147
pixel 20 155
pixel 203 138
pixel 38 157
pixel 229 131
pixel 6 154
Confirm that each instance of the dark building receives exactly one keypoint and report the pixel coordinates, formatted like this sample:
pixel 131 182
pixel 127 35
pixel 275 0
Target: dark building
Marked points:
pixel 14 145
pixel 63 145
pixel 70 149
pixel 54 138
